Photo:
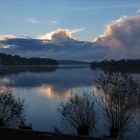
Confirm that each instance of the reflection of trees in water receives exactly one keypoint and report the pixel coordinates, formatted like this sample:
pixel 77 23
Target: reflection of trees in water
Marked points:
pixel 120 99
pixel 11 108
pixel 79 111
pixel 8 70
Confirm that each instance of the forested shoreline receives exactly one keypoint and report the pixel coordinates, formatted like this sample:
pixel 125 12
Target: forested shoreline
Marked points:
pixel 117 65
pixel 7 59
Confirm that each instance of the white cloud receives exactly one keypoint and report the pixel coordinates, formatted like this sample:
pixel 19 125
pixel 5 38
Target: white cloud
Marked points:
pixel 54 21
pixel 4 46
pixel 138 11
pixel 32 20
pixel 59 34
pixel 6 37
pixel 122 36
pixel 36 21
pixel 26 36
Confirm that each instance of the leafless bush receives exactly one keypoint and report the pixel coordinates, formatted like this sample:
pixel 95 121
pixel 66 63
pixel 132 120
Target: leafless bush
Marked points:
pixel 120 93
pixel 79 111
pixel 11 108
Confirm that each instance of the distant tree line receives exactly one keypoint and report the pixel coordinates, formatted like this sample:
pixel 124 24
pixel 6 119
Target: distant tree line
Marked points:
pixel 6 59
pixel 117 65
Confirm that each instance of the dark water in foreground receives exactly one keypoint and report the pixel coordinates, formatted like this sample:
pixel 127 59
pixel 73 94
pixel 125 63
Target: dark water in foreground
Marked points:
pixel 43 91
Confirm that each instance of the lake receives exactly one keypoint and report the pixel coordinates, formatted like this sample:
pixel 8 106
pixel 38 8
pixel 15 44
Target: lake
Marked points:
pixel 43 90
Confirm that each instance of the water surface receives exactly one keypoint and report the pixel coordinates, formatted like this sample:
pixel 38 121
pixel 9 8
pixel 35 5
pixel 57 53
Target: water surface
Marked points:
pixel 44 90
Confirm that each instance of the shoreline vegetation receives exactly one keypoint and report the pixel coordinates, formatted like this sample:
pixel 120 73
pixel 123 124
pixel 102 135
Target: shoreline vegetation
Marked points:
pixel 123 65
pixel 15 64
pixel 6 59
pixel 47 64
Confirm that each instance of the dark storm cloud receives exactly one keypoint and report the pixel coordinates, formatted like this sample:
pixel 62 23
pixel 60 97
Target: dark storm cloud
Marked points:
pixel 66 49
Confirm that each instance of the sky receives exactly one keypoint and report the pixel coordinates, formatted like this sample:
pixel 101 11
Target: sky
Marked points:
pixel 73 20
pixel 35 17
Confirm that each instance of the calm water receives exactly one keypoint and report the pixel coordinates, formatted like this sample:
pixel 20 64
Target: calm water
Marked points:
pixel 43 91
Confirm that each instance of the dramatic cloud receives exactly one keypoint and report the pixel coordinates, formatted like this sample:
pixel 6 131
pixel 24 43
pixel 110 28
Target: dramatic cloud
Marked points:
pixel 75 50
pixel 123 38
pixel 120 40
pixel 60 35
pixel 58 44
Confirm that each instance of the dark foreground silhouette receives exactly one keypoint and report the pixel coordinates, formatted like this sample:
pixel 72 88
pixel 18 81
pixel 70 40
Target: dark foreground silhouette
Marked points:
pixel 80 113
pixel 21 134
